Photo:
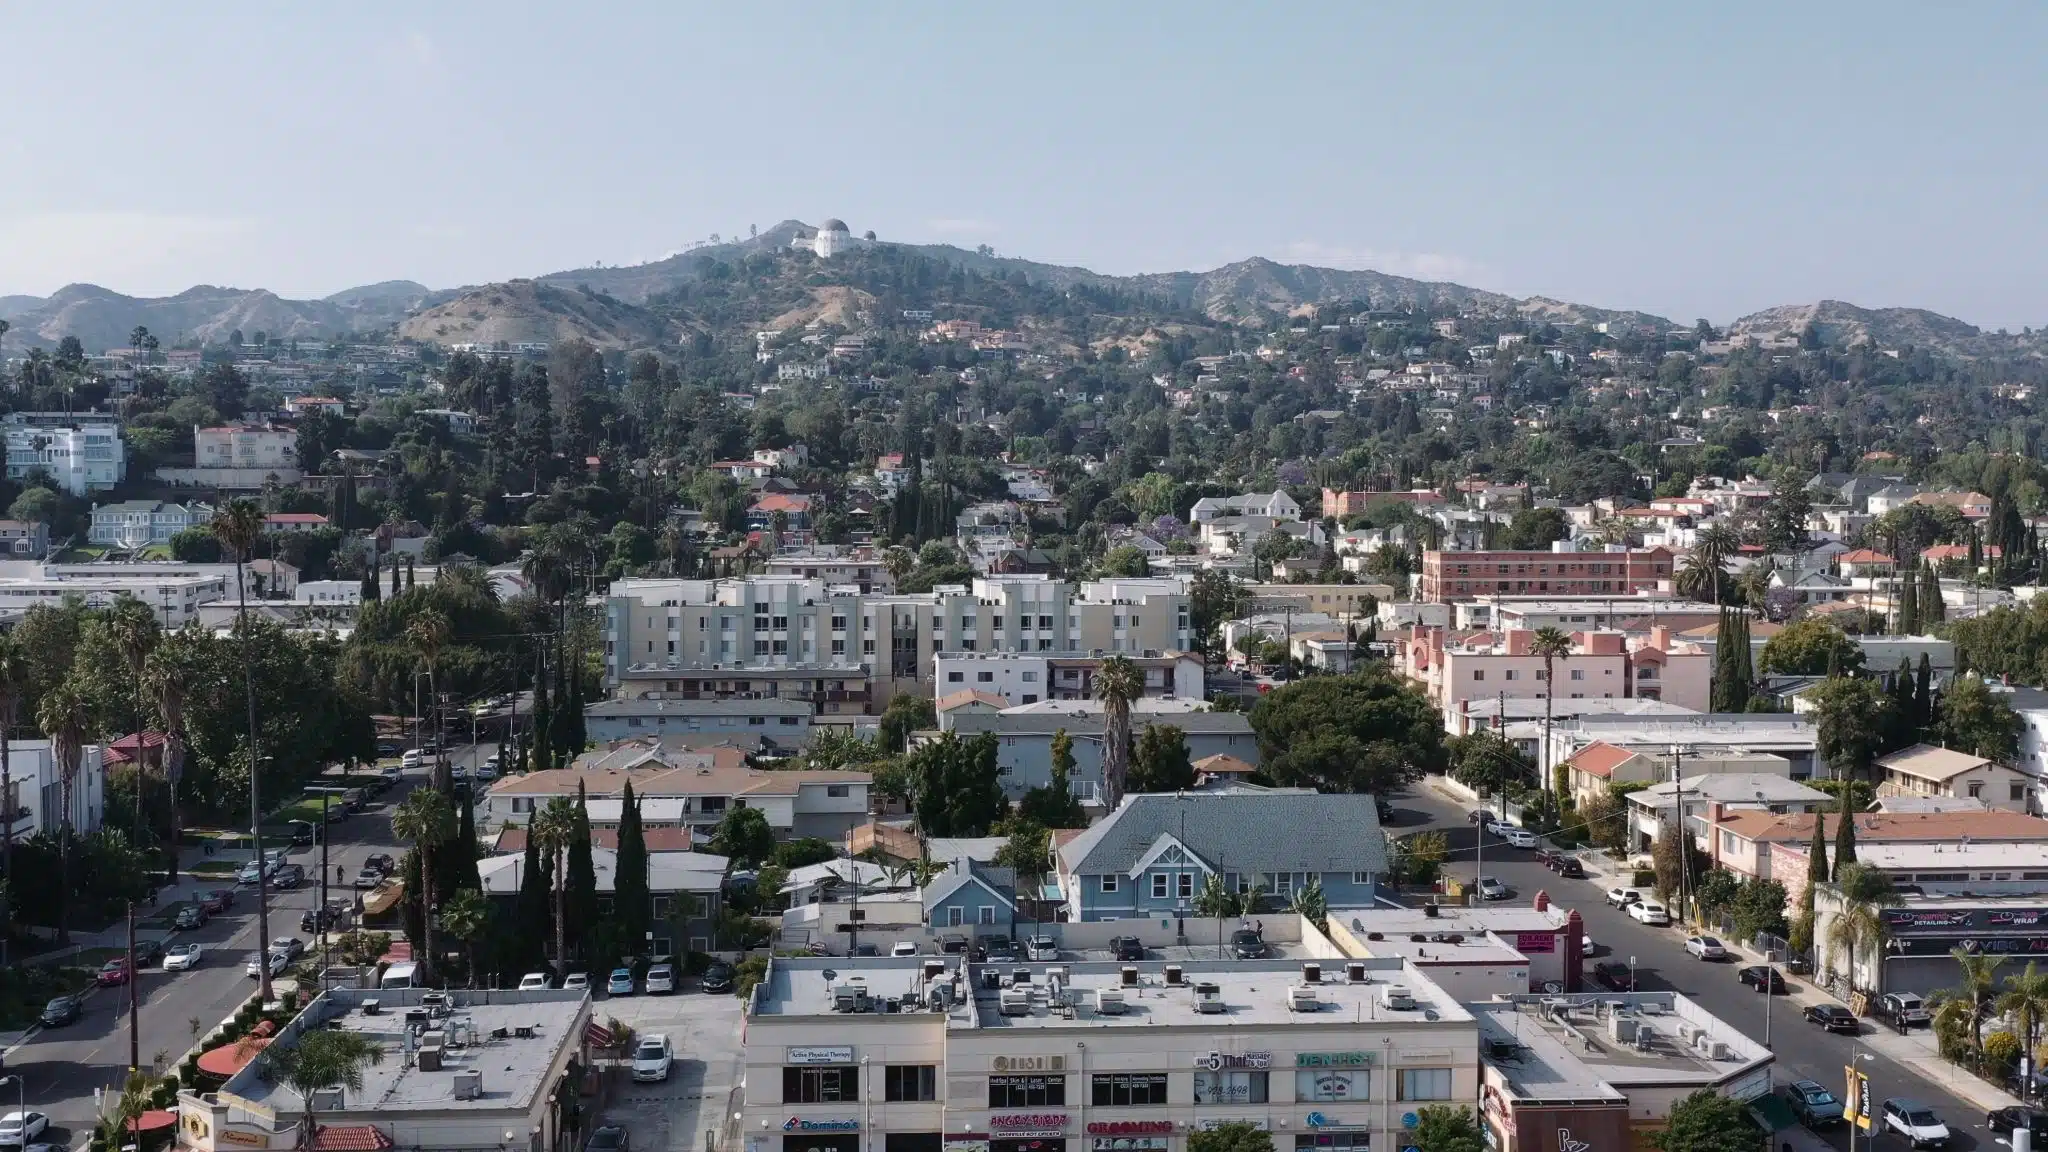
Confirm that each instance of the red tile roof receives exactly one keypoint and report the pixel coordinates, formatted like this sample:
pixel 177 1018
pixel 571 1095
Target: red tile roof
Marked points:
pixel 295 518
pixel 1600 758
pixel 1863 556
pixel 350 1138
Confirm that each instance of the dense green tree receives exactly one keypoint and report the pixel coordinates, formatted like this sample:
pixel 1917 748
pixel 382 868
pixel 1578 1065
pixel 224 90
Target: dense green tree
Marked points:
pixel 1976 720
pixel 1053 804
pixel 1364 732
pixel 906 713
pixel 581 905
pixel 1447 1128
pixel 1805 648
pixel 743 835
pixel 956 789
pixel 1706 1121
pixel 1160 761
pixel 632 900
pixel 1231 1136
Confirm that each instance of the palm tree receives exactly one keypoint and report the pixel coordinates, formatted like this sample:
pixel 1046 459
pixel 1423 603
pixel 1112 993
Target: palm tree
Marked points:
pixel 1551 645
pixel 1699 578
pixel 13 679
pixel 1715 544
pixel 1310 904
pixel 322 1059
pixel 428 633
pixel 899 562
pixel 238 526
pixel 466 915
pixel 1858 927
pixel 169 674
pixel 134 630
pixel 2026 1001
pixel 62 716
pixel 554 828
pixel 1117 683
pixel 1976 988
pixel 426 819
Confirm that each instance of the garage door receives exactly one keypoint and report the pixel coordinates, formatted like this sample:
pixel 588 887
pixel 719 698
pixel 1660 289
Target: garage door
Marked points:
pixel 1922 974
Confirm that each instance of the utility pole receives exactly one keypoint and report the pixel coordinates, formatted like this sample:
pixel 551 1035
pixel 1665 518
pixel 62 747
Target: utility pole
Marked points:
pixel 320 914
pixel 134 995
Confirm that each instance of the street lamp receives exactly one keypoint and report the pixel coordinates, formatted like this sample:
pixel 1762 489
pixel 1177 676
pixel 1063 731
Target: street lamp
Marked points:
pixel 1631 975
pixel 1861 1089
pixel 21 1095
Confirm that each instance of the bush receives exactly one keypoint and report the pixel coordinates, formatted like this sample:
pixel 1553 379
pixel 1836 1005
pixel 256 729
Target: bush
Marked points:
pixel 1645 878
pixel 2002 1051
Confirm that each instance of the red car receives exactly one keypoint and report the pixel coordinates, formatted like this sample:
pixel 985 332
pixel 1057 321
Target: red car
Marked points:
pixel 217 901
pixel 113 972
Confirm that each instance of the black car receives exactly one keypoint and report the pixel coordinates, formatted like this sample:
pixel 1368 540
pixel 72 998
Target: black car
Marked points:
pixel 148 952
pixel 610 1138
pixel 1834 1018
pixel 1613 976
pixel 326 917
pixel 189 917
pixel 997 948
pixel 62 1010
pixel 1758 975
pixel 952 944
pixel 2005 1120
pixel 381 861
pixel 1246 944
pixel 1570 868
pixel 717 977
pixel 1126 948
pixel 289 876
pixel 302 831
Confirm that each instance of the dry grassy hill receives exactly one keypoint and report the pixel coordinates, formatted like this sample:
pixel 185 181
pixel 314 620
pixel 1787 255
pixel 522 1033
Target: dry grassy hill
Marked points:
pixel 522 310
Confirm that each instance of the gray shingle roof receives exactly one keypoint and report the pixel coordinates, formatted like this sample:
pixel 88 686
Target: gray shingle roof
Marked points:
pixel 1015 723
pixel 1276 831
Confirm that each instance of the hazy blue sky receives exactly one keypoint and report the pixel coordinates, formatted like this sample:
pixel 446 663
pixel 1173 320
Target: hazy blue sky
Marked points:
pixel 1709 161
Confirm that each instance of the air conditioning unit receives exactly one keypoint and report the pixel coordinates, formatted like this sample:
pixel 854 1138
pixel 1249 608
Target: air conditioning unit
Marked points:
pixel 1015 1001
pixel 1397 996
pixel 1109 1001
pixel 1302 998
pixel 1208 997
pixel 469 1085
pixel 1355 973
pixel 328 1099
pixel 430 1058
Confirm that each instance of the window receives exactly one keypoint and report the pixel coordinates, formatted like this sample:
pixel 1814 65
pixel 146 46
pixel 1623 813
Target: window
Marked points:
pixel 1976 789
pixel 1159 885
pixel 1361 878
pixel 1127 1089
pixel 910 1082
pixel 1109 881
pixel 1332 1084
pixel 1479 674
pixel 955 917
pixel 2016 792
pixel 1230 1086
pixel 1425 1083
pixel 984 677
pixel 836 791
pixel 955 677
pixel 1578 673
pixel 826 1084
pixel 1027 1091
pixel 1030 677
pixel 987 914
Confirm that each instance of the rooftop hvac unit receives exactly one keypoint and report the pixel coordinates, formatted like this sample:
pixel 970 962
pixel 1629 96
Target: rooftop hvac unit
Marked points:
pixel 1057 972
pixel 1355 973
pixel 1687 1033
pixel 1302 999
pixel 842 997
pixel 1621 1028
pixel 1397 996
pixel 1311 973
pixel 469 1084
pixel 1208 997
pixel 1020 975
pixel 1722 1051
pixel 430 1058
pixel 1129 975
pixel 1109 1001
pixel 327 1099
pixel 934 968
pixel 434 1038
pixel 1173 974
pixel 1644 1034
pixel 1014 1002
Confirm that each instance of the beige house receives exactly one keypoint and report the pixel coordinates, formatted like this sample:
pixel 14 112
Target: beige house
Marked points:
pixel 1769 846
pixel 1924 770
pixel 1594 769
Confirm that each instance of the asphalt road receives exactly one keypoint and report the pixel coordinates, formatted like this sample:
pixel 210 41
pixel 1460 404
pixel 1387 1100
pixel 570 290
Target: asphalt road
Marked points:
pixel 63 1066
pixel 1803 1051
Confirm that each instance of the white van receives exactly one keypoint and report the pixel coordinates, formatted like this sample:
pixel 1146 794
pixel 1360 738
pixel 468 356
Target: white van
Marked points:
pixel 402 974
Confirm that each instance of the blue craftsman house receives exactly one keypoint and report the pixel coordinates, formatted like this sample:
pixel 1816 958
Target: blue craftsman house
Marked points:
pixel 1153 855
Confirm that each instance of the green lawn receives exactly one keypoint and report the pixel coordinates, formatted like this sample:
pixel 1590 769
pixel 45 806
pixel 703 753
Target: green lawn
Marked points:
pixel 217 869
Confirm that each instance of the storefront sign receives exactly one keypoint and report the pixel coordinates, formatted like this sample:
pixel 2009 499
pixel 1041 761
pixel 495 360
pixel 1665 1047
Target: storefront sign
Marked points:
pixel 1916 919
pixel 1324 1122
pixel 1129 1144
pixel 1529 943
pixel 966 1144
pixel 1028 1122
pixel 1217 1061
pixel 796 1124
pixel 249 1139
pixel 1215 1122
pixel 1333 1060
pixel 1130 1128
pixel 1028 1064
pixel 819 1056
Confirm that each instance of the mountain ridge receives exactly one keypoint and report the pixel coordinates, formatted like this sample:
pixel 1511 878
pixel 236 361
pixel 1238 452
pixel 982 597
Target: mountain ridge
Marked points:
pixel 573 302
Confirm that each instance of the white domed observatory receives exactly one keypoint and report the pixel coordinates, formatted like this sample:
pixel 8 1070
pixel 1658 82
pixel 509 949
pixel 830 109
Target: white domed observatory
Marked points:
pixel 831 239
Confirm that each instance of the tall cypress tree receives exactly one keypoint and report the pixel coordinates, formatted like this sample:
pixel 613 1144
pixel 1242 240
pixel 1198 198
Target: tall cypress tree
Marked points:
pixel 372 591
pixel 533 920
pixel 394 577
pixel 1904 721
pixel 1845 828
pixel 632 906
pixel 1933 609
pixel 1817 851
pixel 408 574
pixel 581 905
pixel 1923 694
pixel 1742 664
pixel 1909 604
pixel 562 723
pixel 539 749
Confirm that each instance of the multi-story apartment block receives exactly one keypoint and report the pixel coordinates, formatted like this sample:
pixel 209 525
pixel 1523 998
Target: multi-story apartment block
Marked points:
pixel 1450 576
pixel 942 1054
pixel 174 596
pixel 245 446
pixel 1026 678
pixel 1601 665
pixel 79 454
pixel 836 565
pixel 736 629
pixel 141 523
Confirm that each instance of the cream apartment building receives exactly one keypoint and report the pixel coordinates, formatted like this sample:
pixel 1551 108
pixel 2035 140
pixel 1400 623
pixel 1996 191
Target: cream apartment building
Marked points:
pixel 791 622
pixel 1455 670
pixel 932 1054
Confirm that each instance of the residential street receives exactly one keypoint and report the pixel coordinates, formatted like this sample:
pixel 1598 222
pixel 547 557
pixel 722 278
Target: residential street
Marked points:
pixel 63 1066
pixel 1803 1051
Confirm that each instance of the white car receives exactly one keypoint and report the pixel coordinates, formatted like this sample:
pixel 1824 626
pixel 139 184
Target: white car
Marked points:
pixel 1492 889
pixel 1650 912
pixel 1518 837
pixel 576 980
pixel 279 961
pixel 485 772
pixel 1916 1122
pixel 903 948
pixel 661 978
pixel 411 759
pixel 651 1057
pixel 1706 948
pixel 182 957
pixel 18 1128
pixel 1623 897
pixel 1041 948
pixel 533 980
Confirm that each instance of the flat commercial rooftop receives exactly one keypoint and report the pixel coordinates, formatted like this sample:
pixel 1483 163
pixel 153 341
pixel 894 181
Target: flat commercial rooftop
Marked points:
pixel 1565 1049
pixel 1060 994
pixel 537 1025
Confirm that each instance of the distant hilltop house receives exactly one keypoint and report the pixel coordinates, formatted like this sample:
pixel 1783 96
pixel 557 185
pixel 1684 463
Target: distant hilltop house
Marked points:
pixel 831 239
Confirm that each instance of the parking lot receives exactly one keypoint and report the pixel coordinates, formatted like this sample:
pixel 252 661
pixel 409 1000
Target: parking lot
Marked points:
pixel 704 1029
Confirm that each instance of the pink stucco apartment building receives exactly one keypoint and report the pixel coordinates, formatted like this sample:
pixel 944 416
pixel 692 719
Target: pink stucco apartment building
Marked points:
pixel 1454 668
